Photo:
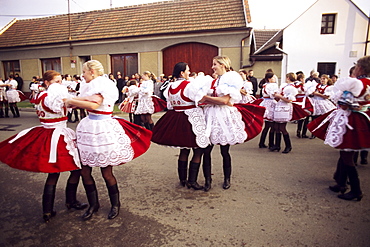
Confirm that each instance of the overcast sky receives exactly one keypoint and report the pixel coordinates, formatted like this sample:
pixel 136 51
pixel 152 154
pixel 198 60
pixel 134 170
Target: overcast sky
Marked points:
pixel 269 14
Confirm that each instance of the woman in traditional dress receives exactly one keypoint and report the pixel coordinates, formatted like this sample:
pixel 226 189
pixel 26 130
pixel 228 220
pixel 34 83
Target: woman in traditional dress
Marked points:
pixel 302 101
pixel 104 141
pixel 320 98
pixel 227 124
pixel 348 129
pixel 132 94
pixel 269 102
pixel 49 148
pixel 183 125
pixel 286 111
pixel 147 103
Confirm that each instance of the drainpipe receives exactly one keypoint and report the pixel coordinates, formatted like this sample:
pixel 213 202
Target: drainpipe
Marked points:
pixel 367 36
pixel 241 52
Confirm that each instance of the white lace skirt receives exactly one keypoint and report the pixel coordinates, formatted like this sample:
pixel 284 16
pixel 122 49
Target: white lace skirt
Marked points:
pixel 103 142
pixel 321 106
pixel 145 105
pixel 224 125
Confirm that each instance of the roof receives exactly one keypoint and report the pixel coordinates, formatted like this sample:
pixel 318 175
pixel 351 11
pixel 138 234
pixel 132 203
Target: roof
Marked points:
pixel 262 36
pixel 166 17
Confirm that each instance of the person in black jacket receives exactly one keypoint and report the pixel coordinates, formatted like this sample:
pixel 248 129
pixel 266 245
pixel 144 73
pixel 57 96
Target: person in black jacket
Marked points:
pixel 253 79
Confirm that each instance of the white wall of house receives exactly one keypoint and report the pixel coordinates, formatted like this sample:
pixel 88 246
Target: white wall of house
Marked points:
pixel 306 47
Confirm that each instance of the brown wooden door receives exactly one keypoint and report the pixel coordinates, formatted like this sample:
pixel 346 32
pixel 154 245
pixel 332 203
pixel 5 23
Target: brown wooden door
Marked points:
pixel 198 55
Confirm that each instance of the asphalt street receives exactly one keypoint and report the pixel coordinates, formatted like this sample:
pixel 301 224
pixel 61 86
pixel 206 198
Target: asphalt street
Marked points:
pixel 275 199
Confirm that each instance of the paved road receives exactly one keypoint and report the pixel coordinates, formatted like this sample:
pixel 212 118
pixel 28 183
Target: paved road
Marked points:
pixel 275 200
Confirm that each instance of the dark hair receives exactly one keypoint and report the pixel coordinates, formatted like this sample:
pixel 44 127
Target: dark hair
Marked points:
pixel 132 82
pixel 179 67
pixel 268 76
pixel 351 70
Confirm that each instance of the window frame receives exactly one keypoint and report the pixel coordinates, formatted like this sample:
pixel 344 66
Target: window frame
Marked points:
pixel 325 24
pixel 11 68
pixel 54 59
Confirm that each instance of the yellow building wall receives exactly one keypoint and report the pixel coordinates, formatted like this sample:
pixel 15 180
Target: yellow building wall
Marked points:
pixel 234 54
pixel 104 60
pixel 29 69
pixel 67 66
pixel 149 61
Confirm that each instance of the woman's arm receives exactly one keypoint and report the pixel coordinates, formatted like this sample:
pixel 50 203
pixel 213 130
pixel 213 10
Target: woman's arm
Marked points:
pixel 223 100
pixel 88 103
pixel 279 96
pixel 320 95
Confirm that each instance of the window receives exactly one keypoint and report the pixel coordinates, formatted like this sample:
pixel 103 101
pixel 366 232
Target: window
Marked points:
pixel 127 64
pixel 326 68
pixel 51 64
pixel 327 23
pixel 11 67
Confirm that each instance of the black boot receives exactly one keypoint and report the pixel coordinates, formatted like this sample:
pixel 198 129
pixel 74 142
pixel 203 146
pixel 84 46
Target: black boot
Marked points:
pixel 355 192
pixel 355 158
pixel 271 139
pixel 276 147
pixel 299 128
pixel 48 202
pixel 16 111
pixel 182 170
pixel 193 176
pixel 340 176
pixel 207 172
pixel 363 155
pixel 92 197
pixel 114 200
pixel 227 175
pixel 76 115
pixel 69 115
pixel 1 113
pixel 6 112
pixel 13 112
pixel 304 129
pixel 288 144
pixel 262 139
pixel 71 201
pixel 151 126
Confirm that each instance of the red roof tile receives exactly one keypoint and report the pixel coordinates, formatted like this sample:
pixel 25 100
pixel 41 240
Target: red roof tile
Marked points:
pixel 146 19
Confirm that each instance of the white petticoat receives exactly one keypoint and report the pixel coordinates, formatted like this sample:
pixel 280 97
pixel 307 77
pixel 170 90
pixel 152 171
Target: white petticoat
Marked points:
pixel 269 104
pixel 283 112
pixel 224 125
pixel 13 96
pixel 103 143
pixel 198 123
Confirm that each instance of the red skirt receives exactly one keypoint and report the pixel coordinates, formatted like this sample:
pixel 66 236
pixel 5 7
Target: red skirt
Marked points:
pixel 159 104
pixel 298 112
pixel 139 136
pixel 31 152
pixel 252 116
pixel 357 138
pixel 128 107
pixel 174 129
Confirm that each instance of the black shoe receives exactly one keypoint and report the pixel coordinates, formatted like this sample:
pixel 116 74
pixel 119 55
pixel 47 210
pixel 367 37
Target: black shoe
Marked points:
pixel 298 135
pixel 337 188
pixel 274 148
pixel 287 150
pixel 114 212
pixel 183 183
pixel 350 196
pixel 304 136
pixel 76 205
pixel 312 137
pixel 226 184
pixel 195 186
pixel 207 184
pixel 90 211
pixel 262 146
pixel 48 216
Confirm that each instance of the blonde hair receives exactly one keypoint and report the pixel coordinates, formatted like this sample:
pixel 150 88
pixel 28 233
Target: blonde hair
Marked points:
pixel 224 60
pixel 291 76
pixel 149 74
pixel 95 65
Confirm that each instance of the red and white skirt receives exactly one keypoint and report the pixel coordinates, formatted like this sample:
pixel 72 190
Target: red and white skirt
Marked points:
pixel 181 129
pixel 344 130
pixel 106 141
pixel 31 151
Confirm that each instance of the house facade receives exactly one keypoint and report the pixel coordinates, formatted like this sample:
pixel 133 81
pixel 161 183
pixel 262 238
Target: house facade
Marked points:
pixel 126 40
pixel 327 38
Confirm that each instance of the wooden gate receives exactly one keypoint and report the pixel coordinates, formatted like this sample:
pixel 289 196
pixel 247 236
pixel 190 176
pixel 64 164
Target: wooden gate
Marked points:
pixel 198 55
